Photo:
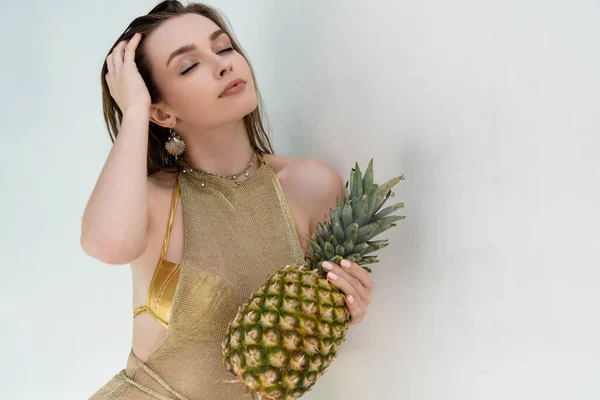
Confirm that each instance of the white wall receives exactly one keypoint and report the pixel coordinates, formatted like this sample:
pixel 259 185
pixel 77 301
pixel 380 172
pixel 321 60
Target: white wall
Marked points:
pixel 490 109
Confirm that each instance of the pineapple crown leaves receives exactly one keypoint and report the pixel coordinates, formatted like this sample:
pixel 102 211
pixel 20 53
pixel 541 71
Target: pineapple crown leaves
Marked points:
pixel 349 228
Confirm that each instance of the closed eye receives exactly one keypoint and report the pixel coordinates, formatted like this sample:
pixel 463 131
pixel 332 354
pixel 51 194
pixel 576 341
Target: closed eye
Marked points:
pixel 193 65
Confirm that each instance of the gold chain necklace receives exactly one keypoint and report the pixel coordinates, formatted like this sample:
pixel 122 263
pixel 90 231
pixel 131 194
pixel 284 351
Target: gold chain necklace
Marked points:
pixel 189 168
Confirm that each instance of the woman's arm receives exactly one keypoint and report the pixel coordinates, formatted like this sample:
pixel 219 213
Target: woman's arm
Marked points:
pixel 115 221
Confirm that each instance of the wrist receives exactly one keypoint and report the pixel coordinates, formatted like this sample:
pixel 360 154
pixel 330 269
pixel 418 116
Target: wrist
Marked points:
pixel 137 111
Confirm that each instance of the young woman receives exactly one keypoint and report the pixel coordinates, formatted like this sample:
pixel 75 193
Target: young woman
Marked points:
pixel 191 161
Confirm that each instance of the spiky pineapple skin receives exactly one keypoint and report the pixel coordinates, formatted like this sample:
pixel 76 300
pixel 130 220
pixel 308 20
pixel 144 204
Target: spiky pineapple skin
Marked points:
pixel 289 331
pixel 287 334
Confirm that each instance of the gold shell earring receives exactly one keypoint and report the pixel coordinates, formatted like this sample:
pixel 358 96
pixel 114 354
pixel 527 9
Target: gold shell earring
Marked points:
pixel 175 146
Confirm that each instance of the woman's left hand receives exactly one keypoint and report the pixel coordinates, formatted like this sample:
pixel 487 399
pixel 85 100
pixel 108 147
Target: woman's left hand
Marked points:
pixel 355 282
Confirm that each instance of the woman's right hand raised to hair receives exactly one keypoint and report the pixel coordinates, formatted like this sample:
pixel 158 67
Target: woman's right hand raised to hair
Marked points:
pixel 124 81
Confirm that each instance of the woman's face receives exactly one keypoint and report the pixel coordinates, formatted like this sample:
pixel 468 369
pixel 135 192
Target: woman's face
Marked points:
pixel 192 79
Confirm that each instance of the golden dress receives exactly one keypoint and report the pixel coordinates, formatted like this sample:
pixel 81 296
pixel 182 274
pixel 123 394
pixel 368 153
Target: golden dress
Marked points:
pixel 236 235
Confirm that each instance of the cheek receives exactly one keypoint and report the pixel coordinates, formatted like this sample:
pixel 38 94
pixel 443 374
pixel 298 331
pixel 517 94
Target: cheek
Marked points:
pixel 195 98
pixel 242 68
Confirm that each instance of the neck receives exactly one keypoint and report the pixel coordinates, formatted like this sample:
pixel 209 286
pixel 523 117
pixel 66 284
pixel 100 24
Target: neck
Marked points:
pixel 223 151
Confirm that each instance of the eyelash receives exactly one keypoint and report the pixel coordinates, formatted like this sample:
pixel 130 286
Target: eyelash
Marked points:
pixel 192 67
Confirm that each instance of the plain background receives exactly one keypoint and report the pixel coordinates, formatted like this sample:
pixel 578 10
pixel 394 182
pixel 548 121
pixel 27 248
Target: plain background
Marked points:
pixel 490 288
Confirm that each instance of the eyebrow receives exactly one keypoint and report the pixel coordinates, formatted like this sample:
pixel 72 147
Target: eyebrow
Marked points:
pixel 190 47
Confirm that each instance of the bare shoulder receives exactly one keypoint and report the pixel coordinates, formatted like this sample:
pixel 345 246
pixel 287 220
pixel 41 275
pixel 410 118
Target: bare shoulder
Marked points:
pixel 306 174
pixel 160 192
pixel 312 184
pixel 161 181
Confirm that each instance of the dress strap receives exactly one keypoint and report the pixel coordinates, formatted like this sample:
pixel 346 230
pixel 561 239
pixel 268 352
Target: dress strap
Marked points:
pixel 262 159
pixel 154 376
pixel 147 308
pixel 174 200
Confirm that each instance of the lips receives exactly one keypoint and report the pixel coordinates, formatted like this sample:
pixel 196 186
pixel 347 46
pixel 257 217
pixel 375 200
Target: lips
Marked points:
pixel 231 84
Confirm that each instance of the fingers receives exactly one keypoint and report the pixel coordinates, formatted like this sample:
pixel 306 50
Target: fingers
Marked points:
pixel 118 55
pixel 359 287
pixel 357 307
pixel 113 64
pixel 356 312
pixel 110 65
pixel 124 81
pixel 123 52
pixel 131 47
pixel 359 273
pixel 353 290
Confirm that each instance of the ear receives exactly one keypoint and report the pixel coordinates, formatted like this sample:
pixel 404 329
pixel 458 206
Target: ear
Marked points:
pixel 161 116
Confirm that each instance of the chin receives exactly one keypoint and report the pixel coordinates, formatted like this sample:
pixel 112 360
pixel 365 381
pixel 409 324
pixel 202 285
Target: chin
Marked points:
pixel 240 109
pixel 249 103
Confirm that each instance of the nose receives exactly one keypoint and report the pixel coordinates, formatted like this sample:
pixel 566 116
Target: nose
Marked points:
pixel 224 65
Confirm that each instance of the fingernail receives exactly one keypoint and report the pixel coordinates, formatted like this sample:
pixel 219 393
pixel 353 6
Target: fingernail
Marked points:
pixel 327 265
pixel 332 276
pixel 346 264
pixel 351 299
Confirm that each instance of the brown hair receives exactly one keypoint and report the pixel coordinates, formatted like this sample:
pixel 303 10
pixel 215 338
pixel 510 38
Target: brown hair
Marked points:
pixel 158 159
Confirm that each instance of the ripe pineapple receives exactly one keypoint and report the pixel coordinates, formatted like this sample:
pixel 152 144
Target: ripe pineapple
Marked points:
pixel 285 337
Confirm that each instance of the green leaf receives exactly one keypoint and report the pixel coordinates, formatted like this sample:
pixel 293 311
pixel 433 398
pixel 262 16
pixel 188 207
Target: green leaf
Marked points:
pixel 346 199
pixel 367 182
pixel 382 228
pixel 346 216
pixel 371 203
pixel 384 191
pixel 375 245
pixel 357 189
pixel 326 232
pixel 365 232
pixel 378 242
pixel 348 246
pixel 338 232
pixel 321 240
pixel 336 259
pixel 337 213
pixel 369 260
pixel 351 233
pixel 329 252
pixel 351 181
pixel 360 248
pixel 333 241
pixel 390 219
pixel 360 210
pixel 356 257
pixel 387 211
pixel 315 246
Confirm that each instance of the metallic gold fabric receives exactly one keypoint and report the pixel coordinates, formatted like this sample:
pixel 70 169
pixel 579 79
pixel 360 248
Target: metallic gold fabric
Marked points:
pixel 235 237
pixel 165 278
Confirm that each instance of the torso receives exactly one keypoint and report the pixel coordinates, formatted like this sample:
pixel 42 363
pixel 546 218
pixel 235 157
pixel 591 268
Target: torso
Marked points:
pixel 147 332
